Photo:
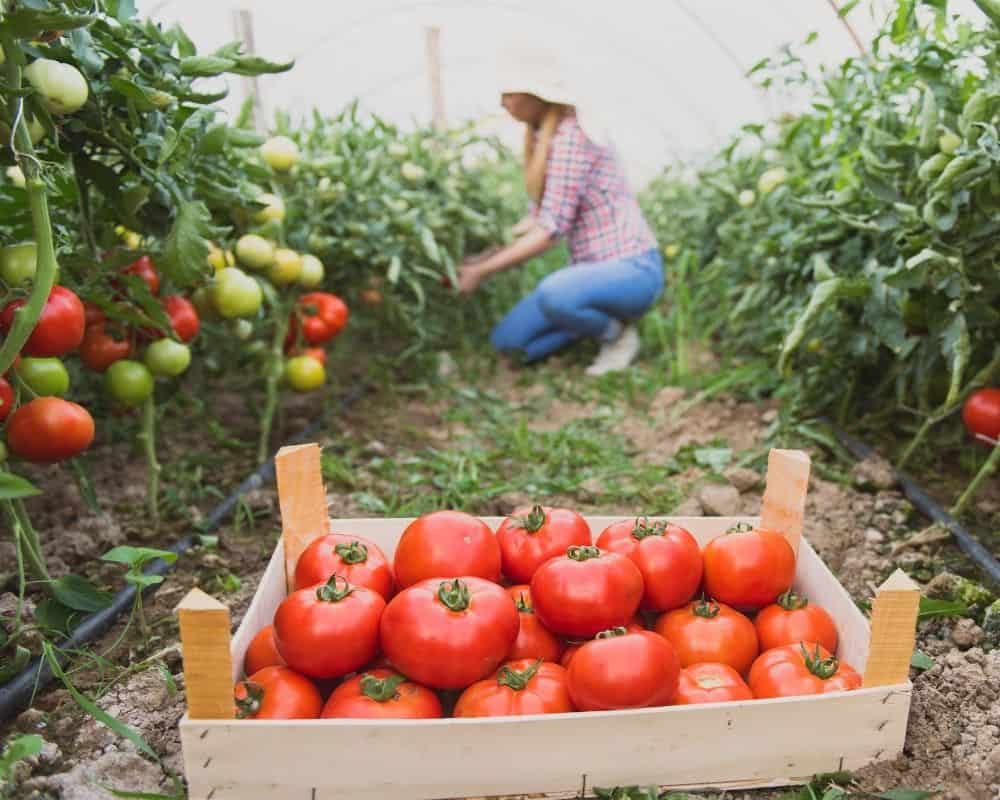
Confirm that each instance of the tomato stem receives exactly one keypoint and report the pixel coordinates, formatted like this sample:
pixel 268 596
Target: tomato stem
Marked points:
pixel 583 552
pixel 250 702
pixel 823 668
pixel 532 522
pixel 610 633
pixel 454 594
pixel 791 601
pixel 353 553
pixel 147 437
pixel 517 680
pixel 24 533
pixel 332 592
pixel 708 609
pixel 643 528
pixel 523 606
pixel 740 527
pixel 381 690
pixel 985 471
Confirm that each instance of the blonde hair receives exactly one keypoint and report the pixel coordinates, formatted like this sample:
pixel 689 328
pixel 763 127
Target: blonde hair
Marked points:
pixel 536 149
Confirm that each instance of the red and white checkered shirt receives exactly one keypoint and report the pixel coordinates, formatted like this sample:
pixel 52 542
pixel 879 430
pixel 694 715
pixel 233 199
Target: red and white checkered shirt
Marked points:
pixel 587 199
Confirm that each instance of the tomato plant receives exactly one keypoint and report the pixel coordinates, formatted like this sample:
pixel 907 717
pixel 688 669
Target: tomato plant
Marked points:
pixel 533 639
pixel 449 634
pixel 61 87
pixel 520 687
pixel 531 536
pixel 381 694
pixel 277 693
pixel 793 619
pixel 6 399
pixel 707 631
pixel 710 683
pixel 49 429
pixel 358 560
pixel 320 315
pixel 446 544
pixel 748 568
pixel 144 268
pixel 586 591
pixel 797 669
pixel 262 652
pixel 667 556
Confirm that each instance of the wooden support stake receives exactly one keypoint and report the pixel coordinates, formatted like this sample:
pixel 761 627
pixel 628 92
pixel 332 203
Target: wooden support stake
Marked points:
pixel 302 499
pixel 784 504
pixel 432 45
pixel 208 666
pixel 894 631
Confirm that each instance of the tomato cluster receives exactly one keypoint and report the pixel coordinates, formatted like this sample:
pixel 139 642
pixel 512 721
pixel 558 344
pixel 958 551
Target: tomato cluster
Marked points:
pixel 441 627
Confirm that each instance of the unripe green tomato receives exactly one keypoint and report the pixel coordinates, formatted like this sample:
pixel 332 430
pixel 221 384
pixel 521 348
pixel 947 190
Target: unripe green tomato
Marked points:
pixel 280 153
pixel 18 263
pixel 236 294
pixel 311 275
pixel 304 373
pixel 242 329
pixel 286 268
pixel 46 377
pixel 747 198
pixel 202 299
pixel 255 251
pixel 61 87
pixel 167 358
pixel 412 172
pixel 16 176
pixel 128 382
pixel 771 179
pixel 398 149
pixel 949 142
pixel 273 210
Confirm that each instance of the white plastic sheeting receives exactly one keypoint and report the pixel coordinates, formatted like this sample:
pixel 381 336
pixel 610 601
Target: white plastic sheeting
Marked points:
pixel 668 75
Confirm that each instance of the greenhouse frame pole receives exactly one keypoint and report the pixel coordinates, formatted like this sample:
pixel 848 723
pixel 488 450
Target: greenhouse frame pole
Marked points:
pixel 432 44
pixel 850 28
pixel 243 30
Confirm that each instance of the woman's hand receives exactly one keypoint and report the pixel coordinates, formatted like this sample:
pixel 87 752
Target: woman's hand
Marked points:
pixel 470 275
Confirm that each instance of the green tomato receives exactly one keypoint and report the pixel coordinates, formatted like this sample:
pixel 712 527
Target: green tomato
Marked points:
pixel 273 210
pixel 280 153
pixel 311 275
pixel 129 382
pixel 286 268
pixel 414 173
pixel 16 176
pixel 255 251
pixel 242 329
pixel 167 358
pixel 236 294
pixel 304 373
pixel 771 179
pixel 61 87
pixel 747 198
pixel 3 452
pixel 46 377
pixel 18 263
pixel 949 142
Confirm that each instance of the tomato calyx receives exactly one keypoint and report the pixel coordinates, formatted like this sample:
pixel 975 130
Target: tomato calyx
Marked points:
pixel 335 589
pixel 643 528
pixel 522 605
pixel 249 696
pixel 583 552
pixel 532 522
pixel 708 609
pixel 611 633
pixel 517 679
pixel 353 553
pixel 822 668
pixel 381 690
pixel 454 595
pixel 791 601
pixel 739 527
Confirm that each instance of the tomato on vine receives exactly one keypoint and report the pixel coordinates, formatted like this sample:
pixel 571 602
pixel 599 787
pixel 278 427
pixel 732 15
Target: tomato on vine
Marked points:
pixel 6 399
pixel 183 317
pixel 128 382
pixel 44 376
pixel 277 693
pixel 99 349
pixel 143 267
pixel 321 316
pixel 381 693
pixel 49 429
pixel 60 326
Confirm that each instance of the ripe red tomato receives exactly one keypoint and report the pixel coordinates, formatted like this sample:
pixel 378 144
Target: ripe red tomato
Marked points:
pixel 59 328
pixel 277 693
pixel 49 429
pixel 145 269
pixel 533 640
pixel 531 536
pixel 262 652
pixel 667 555
pixel 623 670
pixel 449 634
pixel 797 669
pixel 328 630
pixel 381 694
pixel 99 349
pixel 748 569
pixel 981 414
pixel 794 619
pixel 586 591
pixel 633 626
pixel 6 398
pixel 446 544
pixel 706 631
pixel 520 687
pixel 321 315
pixel 183 317
pixel 361 562
pixel 710 683
pixel 92 314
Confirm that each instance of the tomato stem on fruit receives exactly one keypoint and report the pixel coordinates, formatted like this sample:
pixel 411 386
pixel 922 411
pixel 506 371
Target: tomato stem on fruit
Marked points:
pixel 581 552
pixel 610 633
pixel 740 527
pixel 454 594
pixel 823 668
pixel 353 553
pixel 517 680
pixel 249 703
pixel 791 601
pixel 532 522
pixel 522 605
pixel 708 609
pixel 147 436
pixel 985 471
pixel 643 528
pixel 334 592
pixel 381 690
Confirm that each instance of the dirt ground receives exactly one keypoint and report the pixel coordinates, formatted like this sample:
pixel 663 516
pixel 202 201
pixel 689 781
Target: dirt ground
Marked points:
pixel 862 532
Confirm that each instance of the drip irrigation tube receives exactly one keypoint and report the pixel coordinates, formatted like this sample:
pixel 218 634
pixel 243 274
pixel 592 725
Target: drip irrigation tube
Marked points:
pixel 971 546
pixel 17 693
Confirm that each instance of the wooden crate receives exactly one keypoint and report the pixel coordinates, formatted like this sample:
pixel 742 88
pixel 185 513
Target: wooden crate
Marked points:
pixel 745 744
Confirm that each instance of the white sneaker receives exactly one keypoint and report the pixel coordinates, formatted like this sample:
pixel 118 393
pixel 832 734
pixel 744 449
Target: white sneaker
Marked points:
pixel 617 354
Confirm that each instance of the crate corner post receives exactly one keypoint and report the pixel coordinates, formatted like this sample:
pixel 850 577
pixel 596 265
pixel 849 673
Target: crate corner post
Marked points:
pixel 893 631
pixel 786 485
pixel 205 638
pixel 302 500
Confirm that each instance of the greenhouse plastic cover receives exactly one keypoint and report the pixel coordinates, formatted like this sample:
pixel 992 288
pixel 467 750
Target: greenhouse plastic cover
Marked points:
pixel 668 76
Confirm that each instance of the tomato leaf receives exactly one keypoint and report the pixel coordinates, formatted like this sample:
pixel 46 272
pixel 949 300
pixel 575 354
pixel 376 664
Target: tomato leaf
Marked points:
pixel 252 66
pixel 23 22
pixel 186 247
pixel 137 556
pixel 930 608
pixel 921 661
pixel 52 615
pixel 13 665
pixel 206 66
pixel 80 594
pixel 14 486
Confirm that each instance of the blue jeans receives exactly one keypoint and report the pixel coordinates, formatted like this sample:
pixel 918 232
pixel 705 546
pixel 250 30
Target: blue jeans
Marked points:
pixel 580 301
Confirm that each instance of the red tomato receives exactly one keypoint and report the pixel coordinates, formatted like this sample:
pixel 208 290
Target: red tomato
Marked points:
pixel 262 652
pixel 6 398
pixel 49 429
pixel 586 591
pixel 92 314
pixel 748 569
pixel 667 555
pixel 531 536
pixel 520 687
pixel 381 694
pixel 328 630
pixel 446 544
pixel 633 626
pixel 321 316
pixel 533 640
pixel 449 634
pixel 981 414
pixel 623 670
pixel 59 328
pixel 797 669
pixel 316 352
pixel 710 683
pixel 99 349
pixel 794 619
pixel 362 562
pixel 183 317
pixel 277 693
pixel 706 631
pixel 145 269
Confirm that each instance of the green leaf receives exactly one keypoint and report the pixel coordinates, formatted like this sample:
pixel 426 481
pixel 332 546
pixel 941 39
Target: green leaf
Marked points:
pixel 904 794
pixel 23 22
pixel 18 749
pixel 930 607
pixel 957 348
pixel 252 65
pixel 847 8
pixel 122 10
pixel 395 267
pixel 206 66
pixel 14 486
pixel 186 247
pixel 13 665
pixel 52 615
pixel 142 581
pixel 133 91
pixel 80 594
pixel 715 458
pixel 430 245
pixel 136 557
pixel 921 661
pixel 825 294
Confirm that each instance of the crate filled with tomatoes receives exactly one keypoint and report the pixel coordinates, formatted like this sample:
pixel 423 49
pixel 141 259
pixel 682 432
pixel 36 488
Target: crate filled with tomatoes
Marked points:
pixel 453 656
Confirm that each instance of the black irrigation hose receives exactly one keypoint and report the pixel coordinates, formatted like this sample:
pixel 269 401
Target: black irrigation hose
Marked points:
pixel 17 693
pixel 971 546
